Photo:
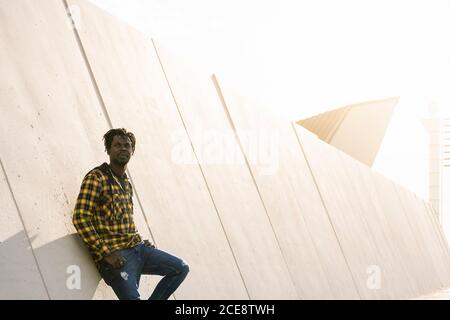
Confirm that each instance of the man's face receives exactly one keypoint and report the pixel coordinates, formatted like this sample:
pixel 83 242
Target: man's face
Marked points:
pixel 121 150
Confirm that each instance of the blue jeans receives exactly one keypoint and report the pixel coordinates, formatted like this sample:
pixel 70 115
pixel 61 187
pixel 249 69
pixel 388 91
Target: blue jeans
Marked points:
pixel 144 260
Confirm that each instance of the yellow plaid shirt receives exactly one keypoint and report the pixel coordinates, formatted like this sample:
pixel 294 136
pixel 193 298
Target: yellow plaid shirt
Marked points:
pixel 103 214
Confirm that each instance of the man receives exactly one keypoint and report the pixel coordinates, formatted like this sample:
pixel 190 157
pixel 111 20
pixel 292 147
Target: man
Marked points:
pixel 103 217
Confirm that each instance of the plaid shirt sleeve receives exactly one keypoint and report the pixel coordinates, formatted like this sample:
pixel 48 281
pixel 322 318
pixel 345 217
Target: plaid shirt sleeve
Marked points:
pixel 84 212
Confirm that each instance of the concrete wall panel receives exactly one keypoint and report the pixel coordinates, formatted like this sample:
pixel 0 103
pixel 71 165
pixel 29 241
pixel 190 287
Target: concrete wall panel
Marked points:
pixel 16 256
pixel 352 230
pixel 405 238
pixel 438 227
pixel 52 109
pixel 293 205
pixel 229 180
pixel 174 196
pixel 427 236
pixel 395 277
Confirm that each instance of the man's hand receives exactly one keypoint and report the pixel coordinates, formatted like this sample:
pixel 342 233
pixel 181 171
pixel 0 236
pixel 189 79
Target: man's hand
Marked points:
pixel 149 244
pixel 115 260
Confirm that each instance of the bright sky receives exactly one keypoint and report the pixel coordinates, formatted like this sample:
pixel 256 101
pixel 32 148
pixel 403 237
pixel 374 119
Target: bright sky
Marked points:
pixel 304 57
pixel 313 55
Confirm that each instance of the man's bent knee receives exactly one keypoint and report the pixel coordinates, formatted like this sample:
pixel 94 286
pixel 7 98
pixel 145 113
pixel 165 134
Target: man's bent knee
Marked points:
pixel 184 267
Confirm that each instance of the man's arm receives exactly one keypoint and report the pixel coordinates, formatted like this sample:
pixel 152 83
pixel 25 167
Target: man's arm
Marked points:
pixel 83 214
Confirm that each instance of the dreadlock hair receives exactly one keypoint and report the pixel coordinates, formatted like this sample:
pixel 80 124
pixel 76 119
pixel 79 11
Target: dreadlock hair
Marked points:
pixel 109 136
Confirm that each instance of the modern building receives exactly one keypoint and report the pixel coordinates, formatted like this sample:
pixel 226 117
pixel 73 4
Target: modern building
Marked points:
pixel 357 129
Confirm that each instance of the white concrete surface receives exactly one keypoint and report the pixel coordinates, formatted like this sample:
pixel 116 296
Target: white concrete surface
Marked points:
pixel 293 205
pixel 235 195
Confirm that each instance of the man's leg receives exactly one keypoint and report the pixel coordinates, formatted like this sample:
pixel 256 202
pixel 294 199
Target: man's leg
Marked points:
pixel 161 263
pixel 124 281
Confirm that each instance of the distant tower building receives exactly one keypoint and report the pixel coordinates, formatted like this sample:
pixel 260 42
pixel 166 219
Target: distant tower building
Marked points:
pixel 445 165
pixel 438 126
pixel 435 128
pixel 446 147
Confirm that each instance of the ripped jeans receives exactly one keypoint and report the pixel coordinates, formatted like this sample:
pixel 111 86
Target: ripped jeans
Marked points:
pixel 144 260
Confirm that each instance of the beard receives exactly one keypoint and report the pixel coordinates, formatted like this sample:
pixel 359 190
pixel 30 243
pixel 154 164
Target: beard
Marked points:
pixel 121 162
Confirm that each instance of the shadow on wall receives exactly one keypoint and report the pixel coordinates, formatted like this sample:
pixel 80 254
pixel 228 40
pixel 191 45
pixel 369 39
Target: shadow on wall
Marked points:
pixel 65 264
pixel 19 276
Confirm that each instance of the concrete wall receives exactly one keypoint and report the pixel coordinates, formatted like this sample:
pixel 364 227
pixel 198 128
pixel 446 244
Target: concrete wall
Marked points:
pixel 258 207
